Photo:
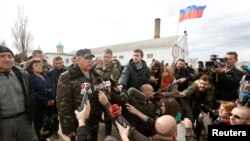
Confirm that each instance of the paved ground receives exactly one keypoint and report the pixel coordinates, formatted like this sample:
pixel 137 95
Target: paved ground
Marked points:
pixel 100 137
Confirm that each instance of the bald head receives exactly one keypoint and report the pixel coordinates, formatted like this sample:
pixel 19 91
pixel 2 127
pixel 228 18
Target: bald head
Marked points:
pixel 166 126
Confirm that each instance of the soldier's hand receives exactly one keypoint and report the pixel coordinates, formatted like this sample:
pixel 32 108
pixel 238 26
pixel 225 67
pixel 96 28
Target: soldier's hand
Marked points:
pixel 71 134
pixel 103 99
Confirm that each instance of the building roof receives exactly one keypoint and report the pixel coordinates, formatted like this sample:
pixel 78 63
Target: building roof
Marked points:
pixel 151 43
pixel 67 54
pixel 59 45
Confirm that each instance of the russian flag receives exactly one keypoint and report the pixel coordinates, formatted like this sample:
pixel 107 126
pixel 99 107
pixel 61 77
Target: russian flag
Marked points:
pixel 191 12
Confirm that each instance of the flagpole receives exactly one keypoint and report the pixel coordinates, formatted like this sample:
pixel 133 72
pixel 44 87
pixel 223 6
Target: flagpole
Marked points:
pixel 177 31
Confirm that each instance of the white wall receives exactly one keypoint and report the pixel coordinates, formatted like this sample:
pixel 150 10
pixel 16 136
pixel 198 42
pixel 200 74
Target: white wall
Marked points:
pixel 50 57
pixel 158 54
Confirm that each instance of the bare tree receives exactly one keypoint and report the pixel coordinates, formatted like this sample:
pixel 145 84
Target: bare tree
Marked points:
pixel 22 38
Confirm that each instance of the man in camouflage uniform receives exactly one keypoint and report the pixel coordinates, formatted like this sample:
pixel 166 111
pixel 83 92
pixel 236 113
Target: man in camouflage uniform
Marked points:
pixel 69 97
pixel 109 71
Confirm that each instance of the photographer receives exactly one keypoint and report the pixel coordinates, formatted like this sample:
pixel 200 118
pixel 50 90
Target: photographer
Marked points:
pixel 227 79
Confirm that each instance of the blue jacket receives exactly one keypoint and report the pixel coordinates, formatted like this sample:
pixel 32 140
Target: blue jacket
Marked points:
pixel 43 90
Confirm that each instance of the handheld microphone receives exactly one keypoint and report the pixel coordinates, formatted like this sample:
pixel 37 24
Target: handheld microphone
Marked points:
pixel 102 85
pixel 85 91
pixel 115 113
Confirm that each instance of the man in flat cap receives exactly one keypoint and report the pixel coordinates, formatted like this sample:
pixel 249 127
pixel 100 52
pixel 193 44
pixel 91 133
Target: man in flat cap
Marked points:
pixel 16 101
pixel 69 97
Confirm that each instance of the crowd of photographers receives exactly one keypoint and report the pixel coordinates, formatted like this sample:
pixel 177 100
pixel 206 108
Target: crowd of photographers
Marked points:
pixel 143 101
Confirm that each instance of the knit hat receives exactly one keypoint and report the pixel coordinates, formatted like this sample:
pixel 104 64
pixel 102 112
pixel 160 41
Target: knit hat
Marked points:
pixel 5 49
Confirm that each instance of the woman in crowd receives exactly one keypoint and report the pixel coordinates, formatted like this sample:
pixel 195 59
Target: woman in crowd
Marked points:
pixel 155 75
pixel 44 93
pixel 168 83
pixel 118 65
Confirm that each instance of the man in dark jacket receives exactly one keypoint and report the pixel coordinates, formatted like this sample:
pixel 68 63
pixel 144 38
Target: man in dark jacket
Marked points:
pixel 227 80
pixel 136 73
pixel 16 101
pixel 54 76
pixel 57 70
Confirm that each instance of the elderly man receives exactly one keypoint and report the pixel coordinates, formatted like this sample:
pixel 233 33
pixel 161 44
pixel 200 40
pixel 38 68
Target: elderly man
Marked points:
pixel 240 116
pixel 16 105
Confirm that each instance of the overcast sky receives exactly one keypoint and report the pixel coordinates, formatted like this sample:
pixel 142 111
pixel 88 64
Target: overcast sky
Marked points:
pixel 225 25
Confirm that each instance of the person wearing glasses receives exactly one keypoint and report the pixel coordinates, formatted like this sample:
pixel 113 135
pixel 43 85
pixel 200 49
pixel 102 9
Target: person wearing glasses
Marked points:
pixel 240 116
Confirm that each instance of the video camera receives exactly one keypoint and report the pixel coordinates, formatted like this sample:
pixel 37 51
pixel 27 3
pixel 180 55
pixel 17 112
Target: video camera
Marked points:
pixel 215 62
pixel 212 113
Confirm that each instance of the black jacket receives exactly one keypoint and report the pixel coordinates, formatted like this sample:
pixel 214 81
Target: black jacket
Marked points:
pixel 227 85
pixel 131 77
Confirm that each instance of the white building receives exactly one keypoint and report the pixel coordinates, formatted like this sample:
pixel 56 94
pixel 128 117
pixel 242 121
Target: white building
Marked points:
pixel 157 48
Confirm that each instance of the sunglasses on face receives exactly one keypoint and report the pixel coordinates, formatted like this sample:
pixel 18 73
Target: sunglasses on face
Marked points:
pixel 236 116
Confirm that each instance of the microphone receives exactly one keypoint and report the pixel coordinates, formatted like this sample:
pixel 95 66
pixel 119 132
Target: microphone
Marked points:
pixel 85 91
pixel 115 113
pixel 137 95
pixel 102 85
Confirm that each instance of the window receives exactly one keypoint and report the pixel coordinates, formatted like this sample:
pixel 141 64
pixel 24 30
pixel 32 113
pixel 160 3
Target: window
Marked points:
pixel 121 57
pixel 67 61
pixel 150 55
pixel 115 57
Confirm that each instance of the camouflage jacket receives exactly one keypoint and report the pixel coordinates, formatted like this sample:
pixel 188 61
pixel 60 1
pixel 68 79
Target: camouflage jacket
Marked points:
pixel 110 72
pixel 46 66
pixel 194 95
pixel 69 99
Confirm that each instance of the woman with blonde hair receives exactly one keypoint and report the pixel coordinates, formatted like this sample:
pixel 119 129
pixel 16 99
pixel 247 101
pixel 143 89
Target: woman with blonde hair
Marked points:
pixel 169 84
